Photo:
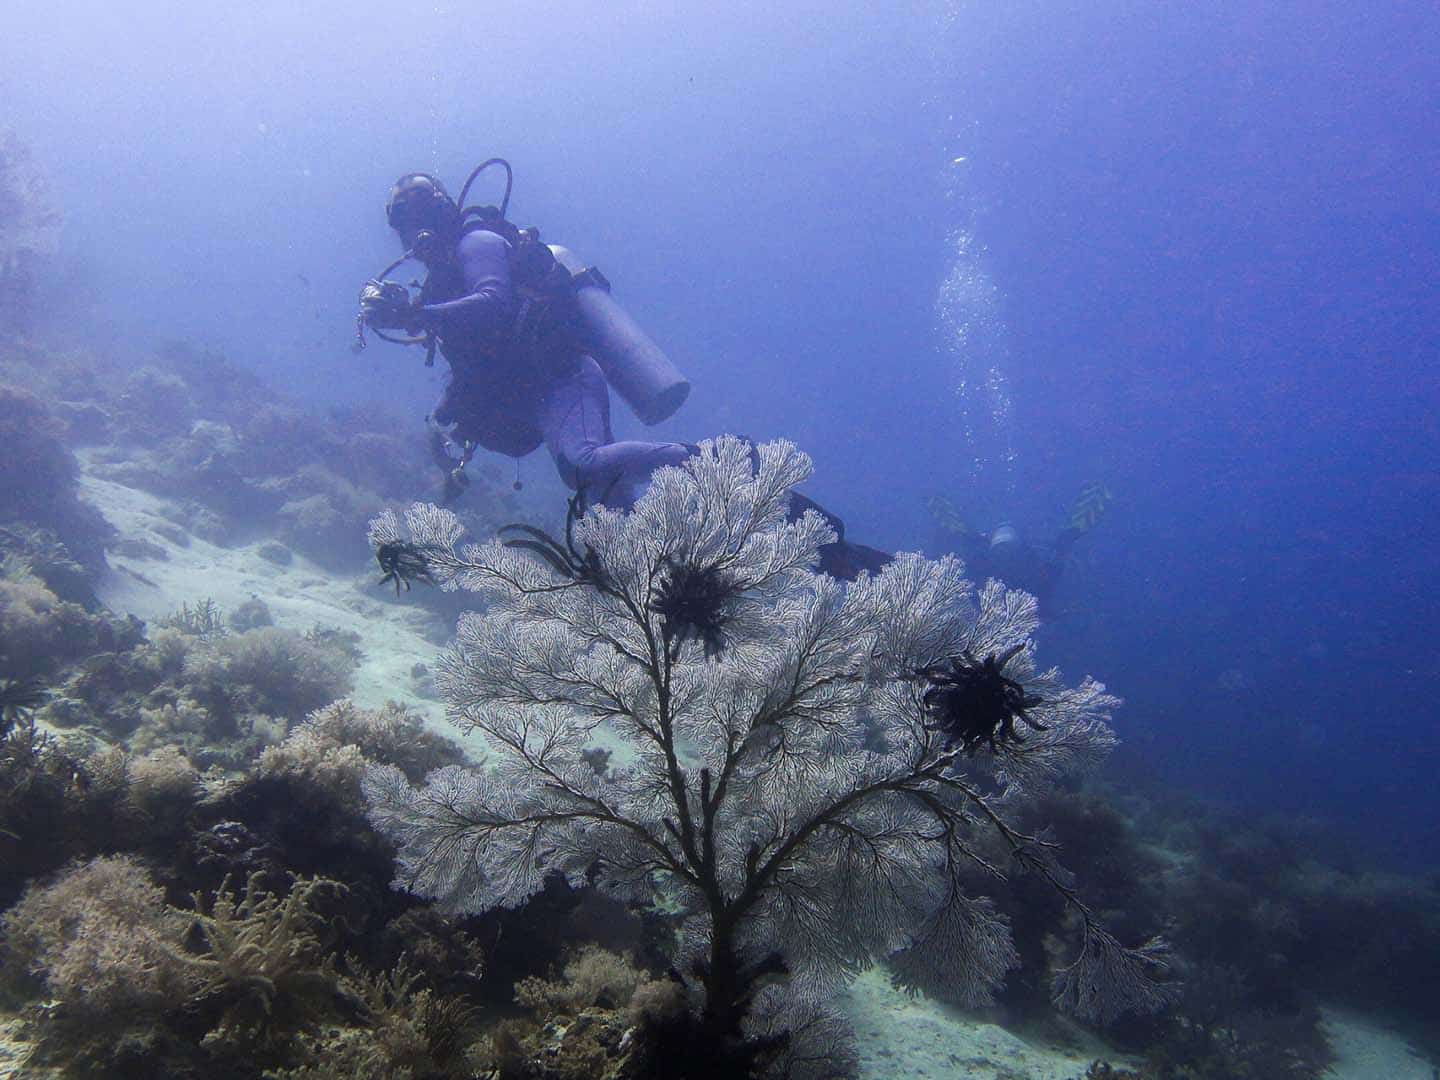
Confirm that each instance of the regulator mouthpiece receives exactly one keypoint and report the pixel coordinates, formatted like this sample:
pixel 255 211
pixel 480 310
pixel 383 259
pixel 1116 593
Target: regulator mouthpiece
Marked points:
pixel 427 243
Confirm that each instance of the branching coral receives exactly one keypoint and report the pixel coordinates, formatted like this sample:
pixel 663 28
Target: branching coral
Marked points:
pixel 791 791
pixel 264 961
pixel 410 1030
pixel 204 621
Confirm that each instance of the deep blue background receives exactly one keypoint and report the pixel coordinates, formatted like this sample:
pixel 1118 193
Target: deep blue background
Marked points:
pixel 990 250
pixel 1216 234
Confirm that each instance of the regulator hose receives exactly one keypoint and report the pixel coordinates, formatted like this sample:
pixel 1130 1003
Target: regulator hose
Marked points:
pixel 475 175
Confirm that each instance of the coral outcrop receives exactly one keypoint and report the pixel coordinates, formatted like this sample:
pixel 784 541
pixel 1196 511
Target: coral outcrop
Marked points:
pixel 30 223
pixel 193 944
pixel 246 464
pixel 40 633
pixel 39 477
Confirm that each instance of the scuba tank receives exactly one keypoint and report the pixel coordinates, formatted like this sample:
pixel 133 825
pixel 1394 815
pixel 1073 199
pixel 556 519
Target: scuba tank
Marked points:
pixel 633 364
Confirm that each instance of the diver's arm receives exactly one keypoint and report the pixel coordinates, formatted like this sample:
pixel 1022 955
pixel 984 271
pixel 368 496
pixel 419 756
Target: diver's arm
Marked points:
pixel 489 304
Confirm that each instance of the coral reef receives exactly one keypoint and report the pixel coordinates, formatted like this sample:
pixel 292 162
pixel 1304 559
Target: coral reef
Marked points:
pixel 1288 917
pixel 267 671
pixel 40 633
pixel 28 550
pixel 29 231
pixel 39 475
pixel 221 697
pixel 152 405
pixel 192 883
pixel 99 941
pixel 602 1017
pixel 334 744
pixel 37 464
pixel 129 977
pixel 205 620
pixel 62 799
pixel 262 968
pixel 410 1031
pixel 115 980
pixel 187 427
pixel 784 785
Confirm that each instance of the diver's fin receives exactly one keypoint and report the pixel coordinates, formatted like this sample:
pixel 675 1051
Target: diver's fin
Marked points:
pixel 944 514
pixel 1090 506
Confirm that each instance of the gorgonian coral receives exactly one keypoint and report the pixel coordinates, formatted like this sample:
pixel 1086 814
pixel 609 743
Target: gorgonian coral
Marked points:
pixel 794 793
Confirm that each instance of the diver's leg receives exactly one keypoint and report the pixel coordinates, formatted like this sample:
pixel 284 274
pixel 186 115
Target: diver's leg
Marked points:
pixel 576 423
pixel 840 558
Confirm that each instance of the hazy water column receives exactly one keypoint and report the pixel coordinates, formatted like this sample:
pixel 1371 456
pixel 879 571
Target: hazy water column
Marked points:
pixel 973 335
pixel 975 340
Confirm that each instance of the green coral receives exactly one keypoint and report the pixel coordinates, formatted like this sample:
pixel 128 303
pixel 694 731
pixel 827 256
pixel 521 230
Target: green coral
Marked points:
pixel 410 1031
pixel 264 960
pixel 204 621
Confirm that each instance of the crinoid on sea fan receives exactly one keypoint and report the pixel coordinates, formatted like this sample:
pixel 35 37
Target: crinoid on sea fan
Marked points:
pixel 788 783
pixel 691 602
pixel 972 702
pixel 402 563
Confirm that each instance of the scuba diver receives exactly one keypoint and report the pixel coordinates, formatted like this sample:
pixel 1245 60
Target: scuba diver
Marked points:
pixel 1003 553
pixel 534 342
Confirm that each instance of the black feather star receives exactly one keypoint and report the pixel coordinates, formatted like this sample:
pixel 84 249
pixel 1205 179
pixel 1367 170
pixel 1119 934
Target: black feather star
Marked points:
pixel 972 702
pixel 576 566
pixel 18 699
pixel 403 563
pixel 691 601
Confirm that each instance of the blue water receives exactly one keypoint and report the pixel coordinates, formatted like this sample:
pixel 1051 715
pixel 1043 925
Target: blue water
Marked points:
pixel 995 251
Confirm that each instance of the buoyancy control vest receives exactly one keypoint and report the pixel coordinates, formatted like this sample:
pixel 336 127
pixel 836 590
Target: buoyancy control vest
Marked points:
pixel 563 303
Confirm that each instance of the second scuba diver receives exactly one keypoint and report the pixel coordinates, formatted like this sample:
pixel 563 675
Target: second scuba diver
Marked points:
pixel 1003 553
pixel 534 341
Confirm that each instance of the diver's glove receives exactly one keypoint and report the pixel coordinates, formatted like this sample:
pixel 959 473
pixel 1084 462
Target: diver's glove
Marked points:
pixel 386 305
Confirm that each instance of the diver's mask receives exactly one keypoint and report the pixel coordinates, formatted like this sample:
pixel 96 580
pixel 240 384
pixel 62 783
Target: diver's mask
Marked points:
pixel 422 212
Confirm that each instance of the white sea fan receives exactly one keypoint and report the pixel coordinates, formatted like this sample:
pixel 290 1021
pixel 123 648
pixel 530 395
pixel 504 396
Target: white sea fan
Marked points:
pixel 782 775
